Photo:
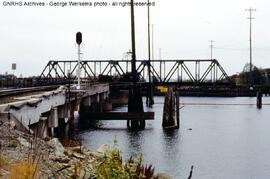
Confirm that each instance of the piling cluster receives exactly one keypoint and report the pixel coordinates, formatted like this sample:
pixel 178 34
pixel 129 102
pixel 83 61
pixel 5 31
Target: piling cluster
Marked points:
pixel 171 110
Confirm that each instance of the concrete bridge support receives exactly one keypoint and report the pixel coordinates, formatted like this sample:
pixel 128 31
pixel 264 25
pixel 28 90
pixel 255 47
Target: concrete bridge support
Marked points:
pixel 63 118
pixel 94 103
pixel 97 103
pixel 40 128
pixel 87 101
pixel 103 99
pixel 53 120
pixel 52 123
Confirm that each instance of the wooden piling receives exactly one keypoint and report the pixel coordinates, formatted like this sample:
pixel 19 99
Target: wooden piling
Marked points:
pixel 171 110
pixel 177 109
pixel 259 99
pixel 149 95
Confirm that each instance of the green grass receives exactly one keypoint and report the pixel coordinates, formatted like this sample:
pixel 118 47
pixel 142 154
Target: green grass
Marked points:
pixel 113 167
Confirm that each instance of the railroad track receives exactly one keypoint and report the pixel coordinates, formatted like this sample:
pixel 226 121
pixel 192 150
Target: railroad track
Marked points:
pixel 19 91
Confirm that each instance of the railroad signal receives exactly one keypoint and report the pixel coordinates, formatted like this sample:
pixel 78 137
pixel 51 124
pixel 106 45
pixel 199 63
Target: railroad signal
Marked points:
pixel 79 38
pixel 78 71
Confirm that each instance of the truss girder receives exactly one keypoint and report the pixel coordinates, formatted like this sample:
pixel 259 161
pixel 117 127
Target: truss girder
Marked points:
pixel 193 70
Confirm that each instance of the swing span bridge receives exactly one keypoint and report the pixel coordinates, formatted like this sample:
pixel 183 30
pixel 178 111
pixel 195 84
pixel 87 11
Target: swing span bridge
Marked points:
pixel 194 72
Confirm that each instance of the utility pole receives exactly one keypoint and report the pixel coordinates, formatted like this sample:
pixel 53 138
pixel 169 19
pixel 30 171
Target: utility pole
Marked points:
pixel 211 47
pixel 160 64
pixel 149 39
pixel 135 103
pixel 211 57
pixel 133 60
pixel 149 98
pixel 153 42
pixel 250 10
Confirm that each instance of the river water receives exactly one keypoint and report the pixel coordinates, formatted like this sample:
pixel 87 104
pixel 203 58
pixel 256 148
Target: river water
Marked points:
pixel 226 141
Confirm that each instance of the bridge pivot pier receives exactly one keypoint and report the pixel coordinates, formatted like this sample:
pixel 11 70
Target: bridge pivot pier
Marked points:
pixel 135 105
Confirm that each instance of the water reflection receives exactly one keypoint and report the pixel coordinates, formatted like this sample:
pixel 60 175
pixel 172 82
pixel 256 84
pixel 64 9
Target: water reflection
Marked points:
pixel 170 137
pixel 134 140
pixel 226 141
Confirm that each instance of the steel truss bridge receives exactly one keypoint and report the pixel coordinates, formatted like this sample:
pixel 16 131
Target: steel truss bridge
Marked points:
pixel 194 72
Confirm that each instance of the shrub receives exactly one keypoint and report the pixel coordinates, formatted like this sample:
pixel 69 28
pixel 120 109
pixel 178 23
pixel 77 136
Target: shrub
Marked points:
pixel 26 169
pixel 113 167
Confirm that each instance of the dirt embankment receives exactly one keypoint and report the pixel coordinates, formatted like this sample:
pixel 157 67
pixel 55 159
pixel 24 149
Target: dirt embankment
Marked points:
pixel 49 158
pixel 23 155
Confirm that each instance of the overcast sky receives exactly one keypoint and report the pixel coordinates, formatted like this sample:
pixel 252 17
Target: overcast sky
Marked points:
pixel 31 36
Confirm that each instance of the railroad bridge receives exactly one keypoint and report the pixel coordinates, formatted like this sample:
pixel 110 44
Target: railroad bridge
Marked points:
pixel 40 110
pixel 37 109
pixel 194 72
